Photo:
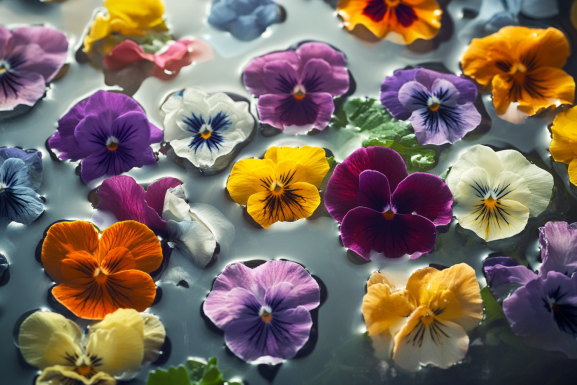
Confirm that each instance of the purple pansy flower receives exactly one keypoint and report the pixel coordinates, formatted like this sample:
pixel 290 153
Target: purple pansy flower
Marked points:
pixel 109 132
pixel 440 106
pixel 296 87
pixel 30 57
pixel 265 311
pixel 381 207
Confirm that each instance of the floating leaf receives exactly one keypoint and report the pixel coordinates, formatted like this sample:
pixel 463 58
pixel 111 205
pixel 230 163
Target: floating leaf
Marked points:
pixel 172 376
pixel 493 311
pixel 193 372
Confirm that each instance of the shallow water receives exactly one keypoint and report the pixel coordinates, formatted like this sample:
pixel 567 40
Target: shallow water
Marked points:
pixel 314 243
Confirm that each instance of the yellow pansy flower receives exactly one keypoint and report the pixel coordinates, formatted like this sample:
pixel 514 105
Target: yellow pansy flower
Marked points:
pixel 564 145
pixel 427 321
pixel 281 187
pixel 127 18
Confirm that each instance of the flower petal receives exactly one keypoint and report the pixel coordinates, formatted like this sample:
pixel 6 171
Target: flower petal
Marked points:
pixel 219 225
pixel 383 308
pixel 283 111
pixel 17 201
pixel 467 89
pixel 254 74
pixel 544 47
pixel 414 96
pixel 239 184
pixel 32 161
pixel 175 206
pixel 64 140
pixel 558 248
pixel 21 87
pixel 193 240
pixel 390 92
pixel 374 191
pixel 312 158
pixel 319 76
pixel 156 193
pixel 154 336
pixel 110 105
pixel 504 280
pixel 62 374
pixel 446 125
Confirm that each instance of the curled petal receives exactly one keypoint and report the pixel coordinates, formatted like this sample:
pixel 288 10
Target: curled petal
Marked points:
pixel 193 240
pixel 558 248
pixel 156 193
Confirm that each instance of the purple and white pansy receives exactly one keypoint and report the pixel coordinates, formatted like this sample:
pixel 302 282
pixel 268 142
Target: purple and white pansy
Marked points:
pixel 30 57
pixel 265 311
pixel 109 132
pixel 439 106
pixel 296 88
pixel 384 210
pixel 541 308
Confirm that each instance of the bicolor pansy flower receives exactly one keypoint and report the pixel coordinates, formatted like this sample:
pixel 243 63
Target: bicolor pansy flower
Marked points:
pixel 20 177
pixel 440 106
pixel 264 312
pixel 296 88
pixel 120 343
pixel 496 192
pixel 205 128
pixel 426 322
pixel 284 186
pixel 401 21
pixel 109 132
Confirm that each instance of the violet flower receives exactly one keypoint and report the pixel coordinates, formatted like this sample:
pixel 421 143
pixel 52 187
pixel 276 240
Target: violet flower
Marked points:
pixel 383 209
pixel 440 106
pixel 109 132
pixel 265 311
pixel 296 87
pixel 30 57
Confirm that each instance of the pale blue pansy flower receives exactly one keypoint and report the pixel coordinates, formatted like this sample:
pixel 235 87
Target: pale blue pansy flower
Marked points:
pixel 244 19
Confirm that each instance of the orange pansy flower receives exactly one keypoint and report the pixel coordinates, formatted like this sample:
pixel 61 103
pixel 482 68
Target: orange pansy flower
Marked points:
pixel 95 276
pixel 408 20
pixel 523 65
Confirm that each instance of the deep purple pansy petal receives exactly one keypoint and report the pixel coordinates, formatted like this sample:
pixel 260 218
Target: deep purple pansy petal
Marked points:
pixel 446 125
pixel 273 272
pixel 156 134
pixel 156 193
pixel 390 92
pixel 504 280
pixel 91 135
pixel 281 111
pixel 131 130
pixel 318 76
pixel 315 50
pixel 424 194
pixel 110 105
pixel 64 140
pixel 242 304
pixel 253 75
pixel 126 200
pixel 558 248
pixel 364 229
pixel 280 77
pixel 414 96
pixel 466 87
pixel 543 313
pixel 112 163
pixel 374 191
pixel 343 186
pixel 21 87
pixel 489 263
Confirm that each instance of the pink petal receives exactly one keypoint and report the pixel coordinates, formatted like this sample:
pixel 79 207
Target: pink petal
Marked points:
pixel 156 193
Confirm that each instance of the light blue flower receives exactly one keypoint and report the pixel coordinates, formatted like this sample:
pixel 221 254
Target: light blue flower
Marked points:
pixel 244 19
pixel 20 176
pixel 535 9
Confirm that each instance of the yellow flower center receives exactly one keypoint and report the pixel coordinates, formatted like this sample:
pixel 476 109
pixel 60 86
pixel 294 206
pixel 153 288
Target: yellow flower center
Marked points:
pixel 299 92
pixel 205 131
pixel 112 143
pixel 518 69
pixel 434 106
pixel 491 202
pixel 389 214
pixel 428 317
pixel 2 70
pixel 84 370
pixel 276 187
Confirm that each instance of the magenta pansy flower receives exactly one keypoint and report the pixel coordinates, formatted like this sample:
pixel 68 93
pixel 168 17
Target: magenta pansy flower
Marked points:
pixel 109 132
pixel 265 311
pixel 382 208
pixel 30 57
pixel 439 106
pixel 295 88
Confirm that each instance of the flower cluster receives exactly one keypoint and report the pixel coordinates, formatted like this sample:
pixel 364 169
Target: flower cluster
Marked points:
pixel 120 343
pixel 541 308
pixel 245 20
pixel 382 209
pixel 295 88
pixel 265 311
pixel 284 186
pixel 425 322
pixel 496 192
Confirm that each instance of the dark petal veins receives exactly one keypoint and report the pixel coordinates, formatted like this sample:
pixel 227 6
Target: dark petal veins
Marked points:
pixel 289 204
pixel 564 314
pixel 376 10
pixel 374 191
pixel 219 122
pixel 406 15
pixel 293 112
pixel 445 114
pixel 286 83
pixel 313 82
pixel 9 80
pixel 435 330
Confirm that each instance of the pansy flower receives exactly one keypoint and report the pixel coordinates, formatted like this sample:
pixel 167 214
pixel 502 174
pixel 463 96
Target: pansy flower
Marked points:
pixel 20 177
pixel 30 57
pixel 109 132
pixel 524 68
pixel 401 21
pixel 245 20
pixel 440 106
pixel 284 186
pixel 383 209
pixel 295 88
pixel 96 275
pixel 563 147
pixel 265 311
pixel 120 343
pixel 496 192
pixel 204 129
pixel 426 322
pixel 197 229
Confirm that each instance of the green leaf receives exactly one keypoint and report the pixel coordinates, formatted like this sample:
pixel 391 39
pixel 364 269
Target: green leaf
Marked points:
pixel 172 376
pixel 195 369
pixel 493 311
pixel 332 165
pixel 419 158
pixel 211 375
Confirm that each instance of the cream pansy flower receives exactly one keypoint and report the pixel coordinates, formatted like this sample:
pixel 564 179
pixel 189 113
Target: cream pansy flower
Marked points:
pixel 120 343
pixel 497 192
pixel 203 128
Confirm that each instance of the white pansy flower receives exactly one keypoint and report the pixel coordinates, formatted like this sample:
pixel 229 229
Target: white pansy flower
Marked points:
pixel 497 192
pixel 203 128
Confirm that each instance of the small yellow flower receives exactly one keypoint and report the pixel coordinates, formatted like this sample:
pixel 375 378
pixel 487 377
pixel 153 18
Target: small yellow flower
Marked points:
pixel 564 145
pixel 281 187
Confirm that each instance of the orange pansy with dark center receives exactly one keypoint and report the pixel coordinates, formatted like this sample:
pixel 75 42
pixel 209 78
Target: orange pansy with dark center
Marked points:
pixel 523 66
pixel 95 276
pixel 403 21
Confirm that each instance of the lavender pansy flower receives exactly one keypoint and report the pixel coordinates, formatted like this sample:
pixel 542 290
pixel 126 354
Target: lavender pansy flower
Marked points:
pixel 558 248
pixel 244 19
pixel 20 176
pixel 205 128
pixel 296 87
pixel 30 57
pixel 265 311
pixel 535 9
pixel 439 106
pixel 382 209
pixel 109 132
